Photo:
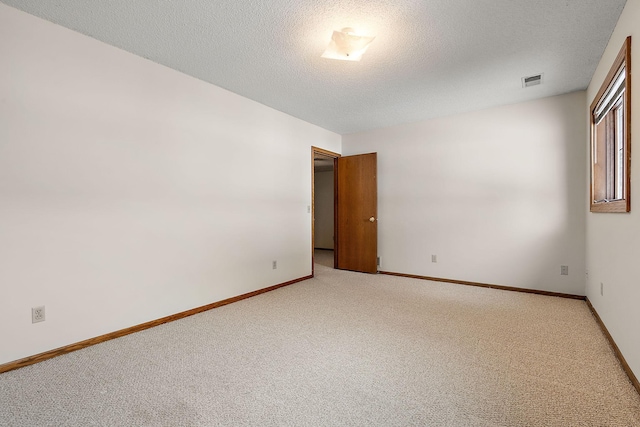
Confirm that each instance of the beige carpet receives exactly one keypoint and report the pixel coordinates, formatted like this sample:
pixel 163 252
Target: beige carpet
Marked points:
pixel 343 349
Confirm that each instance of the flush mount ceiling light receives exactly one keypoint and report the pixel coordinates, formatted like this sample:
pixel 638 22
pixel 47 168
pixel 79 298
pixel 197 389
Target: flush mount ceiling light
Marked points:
pixel 347 46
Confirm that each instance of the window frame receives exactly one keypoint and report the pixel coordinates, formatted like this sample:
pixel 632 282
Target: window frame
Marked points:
pixel 624 204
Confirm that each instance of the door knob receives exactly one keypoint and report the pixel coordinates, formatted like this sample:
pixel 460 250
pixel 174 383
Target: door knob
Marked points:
pixel 372 219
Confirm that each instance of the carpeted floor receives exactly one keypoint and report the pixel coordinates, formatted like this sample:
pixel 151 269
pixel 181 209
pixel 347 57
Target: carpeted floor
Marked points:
pixel 342 349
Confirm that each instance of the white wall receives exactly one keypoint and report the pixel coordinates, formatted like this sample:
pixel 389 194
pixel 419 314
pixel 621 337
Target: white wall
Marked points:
pixel 129 191
pixel 497 195
pixel 613 240
pixel 323 187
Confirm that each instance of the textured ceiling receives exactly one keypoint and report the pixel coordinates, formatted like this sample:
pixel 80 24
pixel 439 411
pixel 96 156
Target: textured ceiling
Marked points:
pixel 430 58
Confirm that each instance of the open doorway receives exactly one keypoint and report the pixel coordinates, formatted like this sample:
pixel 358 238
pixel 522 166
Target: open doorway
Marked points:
pixel 323 208
pixel 355 193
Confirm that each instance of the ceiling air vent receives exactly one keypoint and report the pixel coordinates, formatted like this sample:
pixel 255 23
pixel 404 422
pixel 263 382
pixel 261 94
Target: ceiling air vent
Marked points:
pixel 532 80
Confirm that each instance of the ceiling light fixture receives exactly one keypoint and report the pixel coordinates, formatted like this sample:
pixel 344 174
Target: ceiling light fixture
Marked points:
pixel 347 45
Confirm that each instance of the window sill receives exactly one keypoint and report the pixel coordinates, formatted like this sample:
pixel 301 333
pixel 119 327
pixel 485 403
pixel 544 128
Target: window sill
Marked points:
pixel 618 206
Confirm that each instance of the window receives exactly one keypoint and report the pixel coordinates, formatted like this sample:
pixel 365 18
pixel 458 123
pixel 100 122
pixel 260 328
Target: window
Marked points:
pixel 611 138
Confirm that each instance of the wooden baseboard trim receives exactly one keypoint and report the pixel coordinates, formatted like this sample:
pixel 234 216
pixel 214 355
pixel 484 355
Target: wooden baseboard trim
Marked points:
pixel 614 347
pixel 137 328
pixel 486 285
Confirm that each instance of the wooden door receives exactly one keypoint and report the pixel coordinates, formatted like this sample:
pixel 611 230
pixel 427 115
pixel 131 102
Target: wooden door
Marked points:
pixel 357 213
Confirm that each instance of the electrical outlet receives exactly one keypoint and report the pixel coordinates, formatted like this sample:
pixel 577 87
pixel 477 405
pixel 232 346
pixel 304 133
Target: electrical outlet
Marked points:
pixel 434 258
pixel 274 265
pixel 37 314
pixel 378 261
pixel 601 289
pixel 564 270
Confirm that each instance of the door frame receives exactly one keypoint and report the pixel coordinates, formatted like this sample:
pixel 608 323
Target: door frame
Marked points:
pixel 335 156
